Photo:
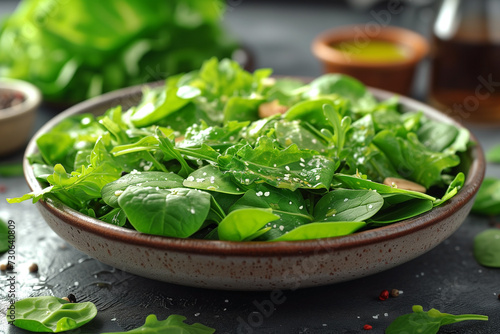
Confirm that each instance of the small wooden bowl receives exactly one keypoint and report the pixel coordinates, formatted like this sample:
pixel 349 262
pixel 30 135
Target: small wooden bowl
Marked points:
pixel 16 123
pixel 394 76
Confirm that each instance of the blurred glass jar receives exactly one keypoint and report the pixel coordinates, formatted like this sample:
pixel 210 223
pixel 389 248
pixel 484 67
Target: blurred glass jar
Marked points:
pixel 465 79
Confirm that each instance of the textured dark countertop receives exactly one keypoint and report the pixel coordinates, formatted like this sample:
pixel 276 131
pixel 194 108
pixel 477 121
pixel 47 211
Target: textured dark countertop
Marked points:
pixel 447 278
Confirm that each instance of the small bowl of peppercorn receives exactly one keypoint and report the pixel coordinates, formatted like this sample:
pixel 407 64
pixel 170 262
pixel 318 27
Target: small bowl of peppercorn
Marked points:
pixel 19 101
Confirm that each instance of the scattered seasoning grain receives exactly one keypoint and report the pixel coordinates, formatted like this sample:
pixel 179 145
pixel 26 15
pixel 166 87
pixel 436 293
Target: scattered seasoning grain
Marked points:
pixel 367 327
pixel 384 295
pixel 33 268
pixel 3 267
pixel 394 293
pixel 72 298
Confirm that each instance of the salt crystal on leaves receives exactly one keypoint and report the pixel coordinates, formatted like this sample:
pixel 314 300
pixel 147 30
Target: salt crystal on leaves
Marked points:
pixel 267 193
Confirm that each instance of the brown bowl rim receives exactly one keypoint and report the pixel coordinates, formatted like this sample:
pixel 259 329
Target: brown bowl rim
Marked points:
pixel 32 95
pixel 278 249
pixel 322 50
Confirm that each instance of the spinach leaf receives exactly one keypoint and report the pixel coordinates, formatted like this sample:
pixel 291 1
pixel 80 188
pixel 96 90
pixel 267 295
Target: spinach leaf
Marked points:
pixel 321 230
pixel 244 224
pixel 173 324
pixel 155 107
pixel 111 191
pixel 340 85
pixel 8 170
pixel 115 217
pixel 211 178
pixel 493 154
pixel 453 188
pixel 487 248
pixel 4 237
pixel 289 206
pixel 427 322
pixel 51 314
pixel 176 212
pixel 347 205
pixel 487 200
pixel 403 210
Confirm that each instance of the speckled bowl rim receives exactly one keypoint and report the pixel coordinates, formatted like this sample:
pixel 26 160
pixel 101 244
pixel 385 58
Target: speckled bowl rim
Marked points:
pixel 251 249
pixel 33 97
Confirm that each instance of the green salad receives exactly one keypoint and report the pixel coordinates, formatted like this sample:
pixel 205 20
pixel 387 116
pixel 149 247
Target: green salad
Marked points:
pixel 224 154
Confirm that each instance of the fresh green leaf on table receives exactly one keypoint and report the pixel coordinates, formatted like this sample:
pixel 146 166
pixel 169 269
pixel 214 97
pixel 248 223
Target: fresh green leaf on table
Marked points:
pixel 487 200
pixel 487 248
pixel 51 314
pixel 493 154
pixel 420 322
pixel 173 324
pixel 4 237
pixel 9 170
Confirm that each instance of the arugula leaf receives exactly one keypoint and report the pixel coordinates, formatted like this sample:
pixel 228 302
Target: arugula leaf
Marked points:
pixel 173 324
pixel 427 322
pixel 176 212
pixel 289 168
pixel 356 182
pixel 51 314
pixel 413 160
pixel 487 248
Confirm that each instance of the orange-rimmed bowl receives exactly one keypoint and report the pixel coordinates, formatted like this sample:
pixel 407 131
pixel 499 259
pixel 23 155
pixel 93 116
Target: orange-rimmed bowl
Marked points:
pixel 393 75
pixel 257 265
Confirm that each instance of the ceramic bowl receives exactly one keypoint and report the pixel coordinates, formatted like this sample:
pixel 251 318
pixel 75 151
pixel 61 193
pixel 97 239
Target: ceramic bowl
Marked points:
pixel 395 76
pixel 16 122
pixel 257 265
